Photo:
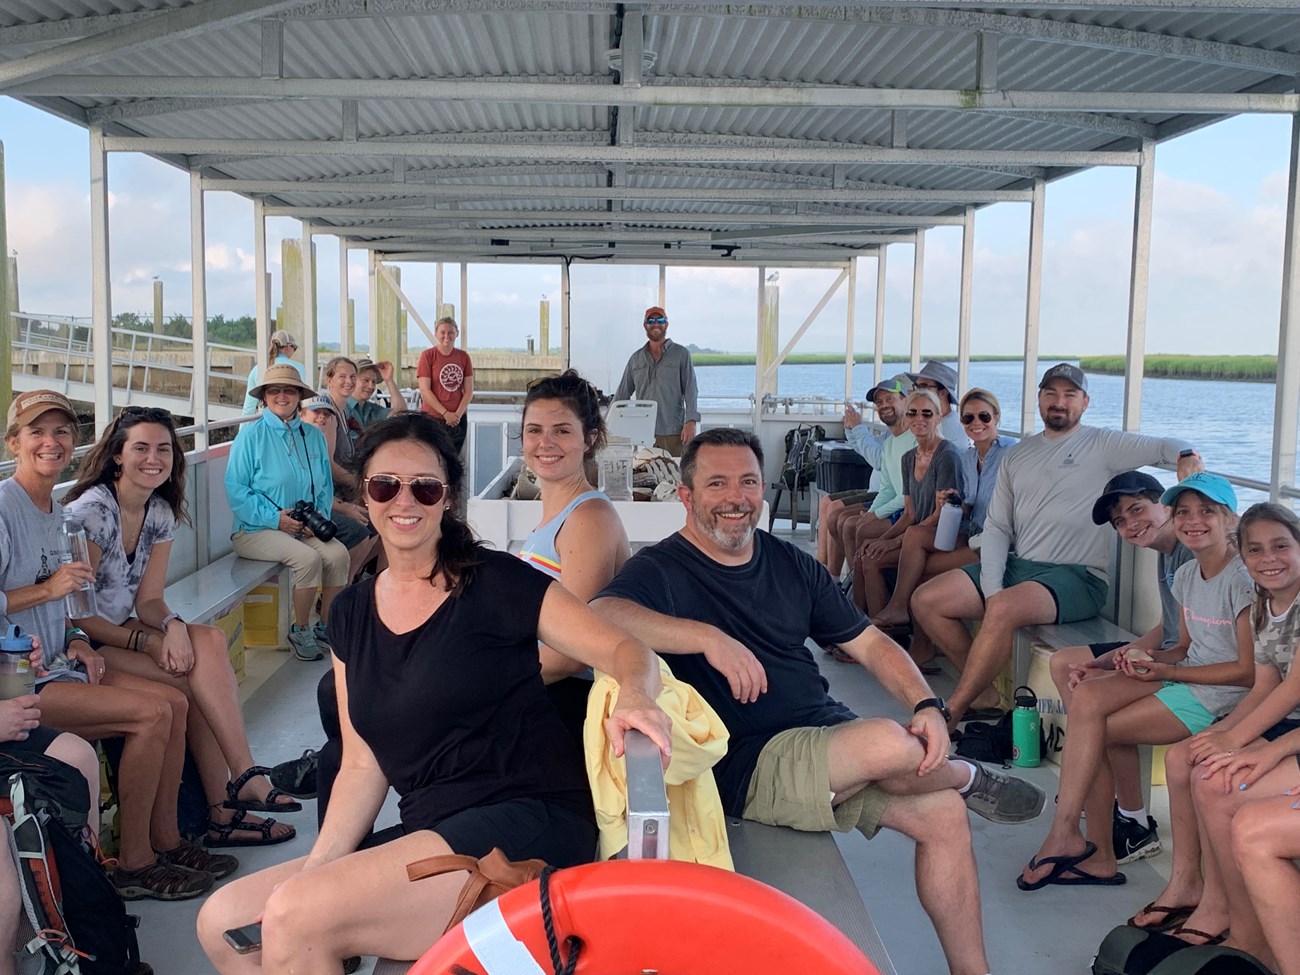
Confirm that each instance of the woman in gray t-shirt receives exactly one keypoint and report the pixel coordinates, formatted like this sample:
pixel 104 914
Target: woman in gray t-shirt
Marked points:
pixel 1157 697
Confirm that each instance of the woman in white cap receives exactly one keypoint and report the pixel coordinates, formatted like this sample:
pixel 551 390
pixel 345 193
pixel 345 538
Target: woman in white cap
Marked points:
pixel 276 462
pixel 283 345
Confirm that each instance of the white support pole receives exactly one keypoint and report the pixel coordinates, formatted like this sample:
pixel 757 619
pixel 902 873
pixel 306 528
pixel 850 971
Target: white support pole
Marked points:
pixel 262 286
pixel 309 324
pixel 346 339
pixel 1033 303
pixel 964 298
pixel 758 344
pixel 770 371
pixel 464 305
pixel 101 286
pixel 372 289
pixel 1139 282
pixel 878 372
pixel 1288 339
pixel 849 321
pixel 564 312
pixel 918 283
pixel 199 310
pixel 663 285
pixel 437 287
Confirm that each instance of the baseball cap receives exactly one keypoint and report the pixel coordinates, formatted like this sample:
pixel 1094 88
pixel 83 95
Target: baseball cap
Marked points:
pixel 26 407
pixel 937 372
pixel 1130 482
pixel 316 403
pixel 1213 486
pixel 1063 370
pixel 900 383
pixel 654 311
pixel 283 338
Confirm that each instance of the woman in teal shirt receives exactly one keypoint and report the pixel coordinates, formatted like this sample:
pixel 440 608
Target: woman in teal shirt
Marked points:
pixel 275 462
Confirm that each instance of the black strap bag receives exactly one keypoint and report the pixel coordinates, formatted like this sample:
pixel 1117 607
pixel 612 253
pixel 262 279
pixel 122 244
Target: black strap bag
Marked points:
pixel 1136 951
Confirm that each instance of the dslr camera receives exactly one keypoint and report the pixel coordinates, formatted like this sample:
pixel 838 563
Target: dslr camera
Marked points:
pixel 306 513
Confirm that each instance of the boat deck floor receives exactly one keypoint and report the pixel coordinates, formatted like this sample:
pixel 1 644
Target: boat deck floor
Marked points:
pixel 1054 930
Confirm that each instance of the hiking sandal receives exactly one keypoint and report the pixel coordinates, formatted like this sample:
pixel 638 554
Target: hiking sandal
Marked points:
pixel 190 857
pixel 161 881
pixel 257 805
pixel 225 832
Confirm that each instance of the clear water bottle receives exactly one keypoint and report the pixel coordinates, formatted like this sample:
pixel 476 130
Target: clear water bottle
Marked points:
pixel 945 533
pixel 79 603
pixel 615 463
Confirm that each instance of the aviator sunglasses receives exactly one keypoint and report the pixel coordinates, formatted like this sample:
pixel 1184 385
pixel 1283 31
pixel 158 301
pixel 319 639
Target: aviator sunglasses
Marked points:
pixel 968 418
pixel 382 488
pixel 928 414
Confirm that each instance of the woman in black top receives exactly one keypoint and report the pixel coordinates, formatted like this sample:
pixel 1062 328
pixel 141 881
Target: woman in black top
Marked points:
pixel 441 696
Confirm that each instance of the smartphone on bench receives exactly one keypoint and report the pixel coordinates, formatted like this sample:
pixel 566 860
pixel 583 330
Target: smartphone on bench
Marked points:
pixel 245 940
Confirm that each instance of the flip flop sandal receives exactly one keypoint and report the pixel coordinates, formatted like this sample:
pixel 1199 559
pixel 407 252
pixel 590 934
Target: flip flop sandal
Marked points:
pixel 930 668
pixel 1170 917
pixel 1063 865
pixel 257 805
pixel 225 832
pixel 840 656
pixel 1210 939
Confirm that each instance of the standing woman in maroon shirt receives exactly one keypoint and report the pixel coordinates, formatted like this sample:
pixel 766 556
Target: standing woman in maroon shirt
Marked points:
pixel 446 377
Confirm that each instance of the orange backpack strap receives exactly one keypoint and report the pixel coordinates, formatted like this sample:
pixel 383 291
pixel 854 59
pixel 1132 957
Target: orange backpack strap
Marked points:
pixel 489 877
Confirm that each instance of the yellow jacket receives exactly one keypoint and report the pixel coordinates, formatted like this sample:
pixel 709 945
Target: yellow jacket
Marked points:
pixel 697 826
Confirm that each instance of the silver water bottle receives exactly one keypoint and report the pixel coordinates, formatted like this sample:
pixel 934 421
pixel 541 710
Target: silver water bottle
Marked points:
pixel 945 533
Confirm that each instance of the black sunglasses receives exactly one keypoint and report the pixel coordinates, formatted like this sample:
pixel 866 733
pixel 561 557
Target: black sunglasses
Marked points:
pixel 968 418
pixel 152 414
pixel 925 413
pixel 427 491
pixel 656 321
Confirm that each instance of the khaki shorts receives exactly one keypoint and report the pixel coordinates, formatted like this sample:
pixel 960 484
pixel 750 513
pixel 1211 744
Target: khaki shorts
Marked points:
pixel 791 786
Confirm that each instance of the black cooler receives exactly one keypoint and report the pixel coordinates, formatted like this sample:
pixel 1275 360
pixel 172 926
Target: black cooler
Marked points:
pixel 841 468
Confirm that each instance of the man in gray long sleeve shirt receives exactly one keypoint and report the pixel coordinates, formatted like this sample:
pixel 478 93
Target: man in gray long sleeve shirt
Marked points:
pixel 663 372
pixel 1041 508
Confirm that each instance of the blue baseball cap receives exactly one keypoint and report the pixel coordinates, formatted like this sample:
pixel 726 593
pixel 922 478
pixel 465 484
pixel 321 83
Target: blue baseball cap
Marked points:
pixel 1213 486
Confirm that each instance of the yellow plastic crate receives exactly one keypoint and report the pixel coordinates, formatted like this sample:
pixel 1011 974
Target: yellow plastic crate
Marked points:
pixel 231 623
pixel 262 617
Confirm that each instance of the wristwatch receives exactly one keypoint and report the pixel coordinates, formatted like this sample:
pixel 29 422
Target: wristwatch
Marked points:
pixel 168 619
pixel 937 704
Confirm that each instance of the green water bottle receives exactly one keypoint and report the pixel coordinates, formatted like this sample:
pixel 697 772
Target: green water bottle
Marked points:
pixel 1025 727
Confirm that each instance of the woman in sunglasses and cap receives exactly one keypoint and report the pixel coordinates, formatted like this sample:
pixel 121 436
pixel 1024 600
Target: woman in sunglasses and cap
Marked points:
pixel 129 495
pixel 277 482
pixel 440 696
pixel 282 347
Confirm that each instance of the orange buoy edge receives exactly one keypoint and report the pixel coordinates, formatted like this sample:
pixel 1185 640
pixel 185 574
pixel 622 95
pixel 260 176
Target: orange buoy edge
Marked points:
pixel 663 916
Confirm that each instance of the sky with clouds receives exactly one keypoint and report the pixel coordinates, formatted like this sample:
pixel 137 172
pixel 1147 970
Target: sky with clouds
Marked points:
pixel 1220 203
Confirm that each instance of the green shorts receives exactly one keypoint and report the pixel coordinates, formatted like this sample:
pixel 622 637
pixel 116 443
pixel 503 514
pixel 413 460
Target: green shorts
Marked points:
pixel 1078 593
pixel 791 786
pixel 1178 698
pixel 850 498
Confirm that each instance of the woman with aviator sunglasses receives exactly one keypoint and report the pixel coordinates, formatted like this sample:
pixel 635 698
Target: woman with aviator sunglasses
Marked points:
pixel 275 462
pixel 440 695
pixel 130 494
pixel 919 559
pixel 931 468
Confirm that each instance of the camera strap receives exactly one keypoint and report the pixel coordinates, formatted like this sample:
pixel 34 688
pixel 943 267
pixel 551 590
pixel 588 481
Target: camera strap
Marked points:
pixel 307 461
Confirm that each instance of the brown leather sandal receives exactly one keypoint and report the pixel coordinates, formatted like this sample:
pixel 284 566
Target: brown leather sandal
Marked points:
pixel 489 878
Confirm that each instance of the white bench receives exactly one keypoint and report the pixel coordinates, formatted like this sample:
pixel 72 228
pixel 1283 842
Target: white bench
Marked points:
pixel 211 592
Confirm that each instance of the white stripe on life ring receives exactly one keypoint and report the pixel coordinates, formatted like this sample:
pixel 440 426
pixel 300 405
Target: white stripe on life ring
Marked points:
pixel 494 944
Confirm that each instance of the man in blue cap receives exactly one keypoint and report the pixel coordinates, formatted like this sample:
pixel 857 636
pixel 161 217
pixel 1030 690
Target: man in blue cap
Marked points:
pixel 1042 560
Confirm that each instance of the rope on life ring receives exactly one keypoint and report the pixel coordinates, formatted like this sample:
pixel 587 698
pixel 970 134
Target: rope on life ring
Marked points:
pixel 645 915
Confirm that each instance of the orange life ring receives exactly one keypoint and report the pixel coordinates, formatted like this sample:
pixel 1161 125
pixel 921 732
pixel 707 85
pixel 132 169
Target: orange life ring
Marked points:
pixel 649 915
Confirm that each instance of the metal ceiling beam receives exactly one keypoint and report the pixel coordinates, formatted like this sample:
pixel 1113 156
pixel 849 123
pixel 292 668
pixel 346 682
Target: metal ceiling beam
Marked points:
pixel 172 25
pixel 662 235
pixel 811 154
pixel 712 95
pixel 450 191
pixel 360 219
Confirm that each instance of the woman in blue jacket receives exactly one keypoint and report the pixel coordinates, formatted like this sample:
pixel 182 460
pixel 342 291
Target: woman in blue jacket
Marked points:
pixel 275 462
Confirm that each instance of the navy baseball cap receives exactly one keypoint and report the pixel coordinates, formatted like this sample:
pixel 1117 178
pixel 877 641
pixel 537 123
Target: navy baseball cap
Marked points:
pixel 901 384
pixel 1063 370
pixel 1130 482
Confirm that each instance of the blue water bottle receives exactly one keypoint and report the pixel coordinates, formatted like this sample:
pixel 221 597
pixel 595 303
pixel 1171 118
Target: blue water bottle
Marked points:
pixel 1026 724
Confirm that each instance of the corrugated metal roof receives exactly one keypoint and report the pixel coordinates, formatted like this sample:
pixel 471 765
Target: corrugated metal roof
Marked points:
pixel 272 102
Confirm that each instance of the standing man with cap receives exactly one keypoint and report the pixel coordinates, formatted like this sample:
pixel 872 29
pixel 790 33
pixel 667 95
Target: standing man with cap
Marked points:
pixel 283 346
pixel 942 381
pixel 1131 504
pixel 1041 507
pixel 662 371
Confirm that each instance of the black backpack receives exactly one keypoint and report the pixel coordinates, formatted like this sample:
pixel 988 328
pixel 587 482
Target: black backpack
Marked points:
pixel 986 741
pixel 1136 951
pixel 79 924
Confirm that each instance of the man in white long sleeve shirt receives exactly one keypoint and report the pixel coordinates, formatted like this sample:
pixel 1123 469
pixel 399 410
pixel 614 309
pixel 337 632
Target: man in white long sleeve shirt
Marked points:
pixel 1042 560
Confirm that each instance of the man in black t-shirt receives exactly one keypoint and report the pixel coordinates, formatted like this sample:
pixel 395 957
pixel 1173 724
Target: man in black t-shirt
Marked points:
pixel 731 609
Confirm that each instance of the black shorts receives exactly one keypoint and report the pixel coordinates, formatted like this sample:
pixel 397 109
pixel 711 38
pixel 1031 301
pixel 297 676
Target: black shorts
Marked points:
pixel 1285 726
pixel 351 532
pixel 523 829
pixel 38 741
pixel 1099 648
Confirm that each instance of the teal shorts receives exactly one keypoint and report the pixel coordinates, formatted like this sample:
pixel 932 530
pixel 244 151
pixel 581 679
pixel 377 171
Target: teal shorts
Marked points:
pixel 1179 699
pixel 1078 594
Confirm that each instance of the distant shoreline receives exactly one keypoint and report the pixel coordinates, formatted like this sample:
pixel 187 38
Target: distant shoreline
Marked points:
pixel 1231 368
